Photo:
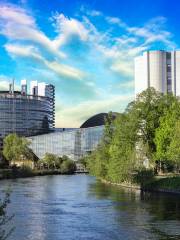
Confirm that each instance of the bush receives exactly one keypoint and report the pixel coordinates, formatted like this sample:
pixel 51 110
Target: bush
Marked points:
pixel 143 176
pixel 68 166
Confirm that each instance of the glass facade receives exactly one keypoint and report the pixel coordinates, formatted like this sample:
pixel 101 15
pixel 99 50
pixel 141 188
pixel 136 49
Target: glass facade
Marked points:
pixel 74 144
pixel 25 115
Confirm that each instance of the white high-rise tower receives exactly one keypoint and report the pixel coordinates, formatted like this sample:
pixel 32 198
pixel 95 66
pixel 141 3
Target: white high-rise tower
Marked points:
pixel 158 69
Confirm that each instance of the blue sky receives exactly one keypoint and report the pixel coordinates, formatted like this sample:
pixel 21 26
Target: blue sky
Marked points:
pixel 85 48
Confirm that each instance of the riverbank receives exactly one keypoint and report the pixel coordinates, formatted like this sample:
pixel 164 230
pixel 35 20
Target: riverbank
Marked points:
pixel 169 184
pixel 24 173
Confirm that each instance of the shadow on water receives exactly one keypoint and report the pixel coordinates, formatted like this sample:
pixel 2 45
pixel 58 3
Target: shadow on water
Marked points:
pixel 158 214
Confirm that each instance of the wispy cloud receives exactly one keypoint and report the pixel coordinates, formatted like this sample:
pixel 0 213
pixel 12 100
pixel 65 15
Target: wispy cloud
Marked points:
pixel 83 111
pixel 4 83
pixel 32 52
pixel 67 28
pixel 86 53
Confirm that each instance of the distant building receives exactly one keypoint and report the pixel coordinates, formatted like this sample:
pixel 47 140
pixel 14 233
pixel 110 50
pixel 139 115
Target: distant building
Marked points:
pixel 26 114
pixel 23 87
pixel 74 143
pixel 158 69
pixel 34 88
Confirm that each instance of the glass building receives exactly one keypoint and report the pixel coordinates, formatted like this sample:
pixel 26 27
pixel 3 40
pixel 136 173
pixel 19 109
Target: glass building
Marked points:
pixel 75 143
pixel 25 114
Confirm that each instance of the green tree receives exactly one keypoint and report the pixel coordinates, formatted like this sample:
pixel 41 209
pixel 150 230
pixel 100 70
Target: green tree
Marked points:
pixel 50 160
pixel 164 133
pixel 122 150
pixel 143 133
pixel 16 148
pixel 173 151
pixel 68 166
pixel 97 162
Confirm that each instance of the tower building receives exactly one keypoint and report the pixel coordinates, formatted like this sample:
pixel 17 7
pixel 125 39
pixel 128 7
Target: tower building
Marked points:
pixel 23 87
pixel 158 69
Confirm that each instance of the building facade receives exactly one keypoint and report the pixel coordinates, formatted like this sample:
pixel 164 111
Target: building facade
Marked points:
pixel 158 69
pixel 74 143
pixel 25 114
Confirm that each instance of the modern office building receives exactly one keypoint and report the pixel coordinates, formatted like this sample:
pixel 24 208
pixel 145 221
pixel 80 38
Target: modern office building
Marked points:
pixel 74 143
pixel 25 114
pixel 158 69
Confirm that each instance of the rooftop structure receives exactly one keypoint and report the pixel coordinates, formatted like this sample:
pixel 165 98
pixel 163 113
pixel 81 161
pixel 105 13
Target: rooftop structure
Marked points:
pixel 25 114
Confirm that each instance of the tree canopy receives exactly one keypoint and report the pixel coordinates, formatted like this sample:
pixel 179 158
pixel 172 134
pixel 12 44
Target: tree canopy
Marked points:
pixel 16 148
pixel 149 129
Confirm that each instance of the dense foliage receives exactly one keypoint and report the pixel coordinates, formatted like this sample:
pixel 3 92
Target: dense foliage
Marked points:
pixel 16 148
pixel 145 136
pixel 54 162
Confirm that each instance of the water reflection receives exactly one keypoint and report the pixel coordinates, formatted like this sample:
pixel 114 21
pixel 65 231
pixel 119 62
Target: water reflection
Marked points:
pixel 79 207
pixel 155 213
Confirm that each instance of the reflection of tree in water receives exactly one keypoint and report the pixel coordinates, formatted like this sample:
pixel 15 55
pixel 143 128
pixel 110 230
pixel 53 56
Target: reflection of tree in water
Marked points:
pixel 154 214
pixel 163 206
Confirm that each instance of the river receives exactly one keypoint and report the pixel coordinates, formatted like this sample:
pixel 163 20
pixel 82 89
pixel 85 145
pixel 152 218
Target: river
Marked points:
pixel 78 207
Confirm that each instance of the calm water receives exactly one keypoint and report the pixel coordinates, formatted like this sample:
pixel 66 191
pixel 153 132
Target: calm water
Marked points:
pixel 78 207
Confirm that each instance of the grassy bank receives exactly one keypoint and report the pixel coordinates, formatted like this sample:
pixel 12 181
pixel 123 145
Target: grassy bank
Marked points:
pixel 164 184
pixel 23 173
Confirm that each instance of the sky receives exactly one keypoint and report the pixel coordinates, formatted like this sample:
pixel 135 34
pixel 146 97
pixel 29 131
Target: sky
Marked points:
pixel 86 48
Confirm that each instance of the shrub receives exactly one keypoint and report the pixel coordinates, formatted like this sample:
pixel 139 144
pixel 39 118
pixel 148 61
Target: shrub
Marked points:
pixel 68 166
pixel 143 176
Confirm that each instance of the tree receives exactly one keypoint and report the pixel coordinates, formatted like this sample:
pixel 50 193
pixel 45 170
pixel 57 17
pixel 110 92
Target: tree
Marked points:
pixel 142 134
pixel 164 133
pixel 68 166
pixel 147 112
pixel 173 151
pixel 16 148
pixel 122 150
pixel 97 162
pixel 50 160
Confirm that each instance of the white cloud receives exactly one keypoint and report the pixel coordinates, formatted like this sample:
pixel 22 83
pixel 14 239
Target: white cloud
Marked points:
pixel 68 27
pixel 23 51
pixel 111 49
pixel 83 111
pixel 18 24
pixel 123 67
pixel 16 15
pixel 32 52
pixel 65 70
pixel 115 20
pixel 91 13
pixel 126 85
pixel 4 83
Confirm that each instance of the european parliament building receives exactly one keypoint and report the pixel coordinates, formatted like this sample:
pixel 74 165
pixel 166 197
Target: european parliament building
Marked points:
pixel 74 143
pixel 27 114
pixel 32 115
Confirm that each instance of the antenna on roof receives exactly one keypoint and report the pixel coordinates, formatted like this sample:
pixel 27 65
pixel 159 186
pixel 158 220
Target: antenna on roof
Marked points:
pixel 13 86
